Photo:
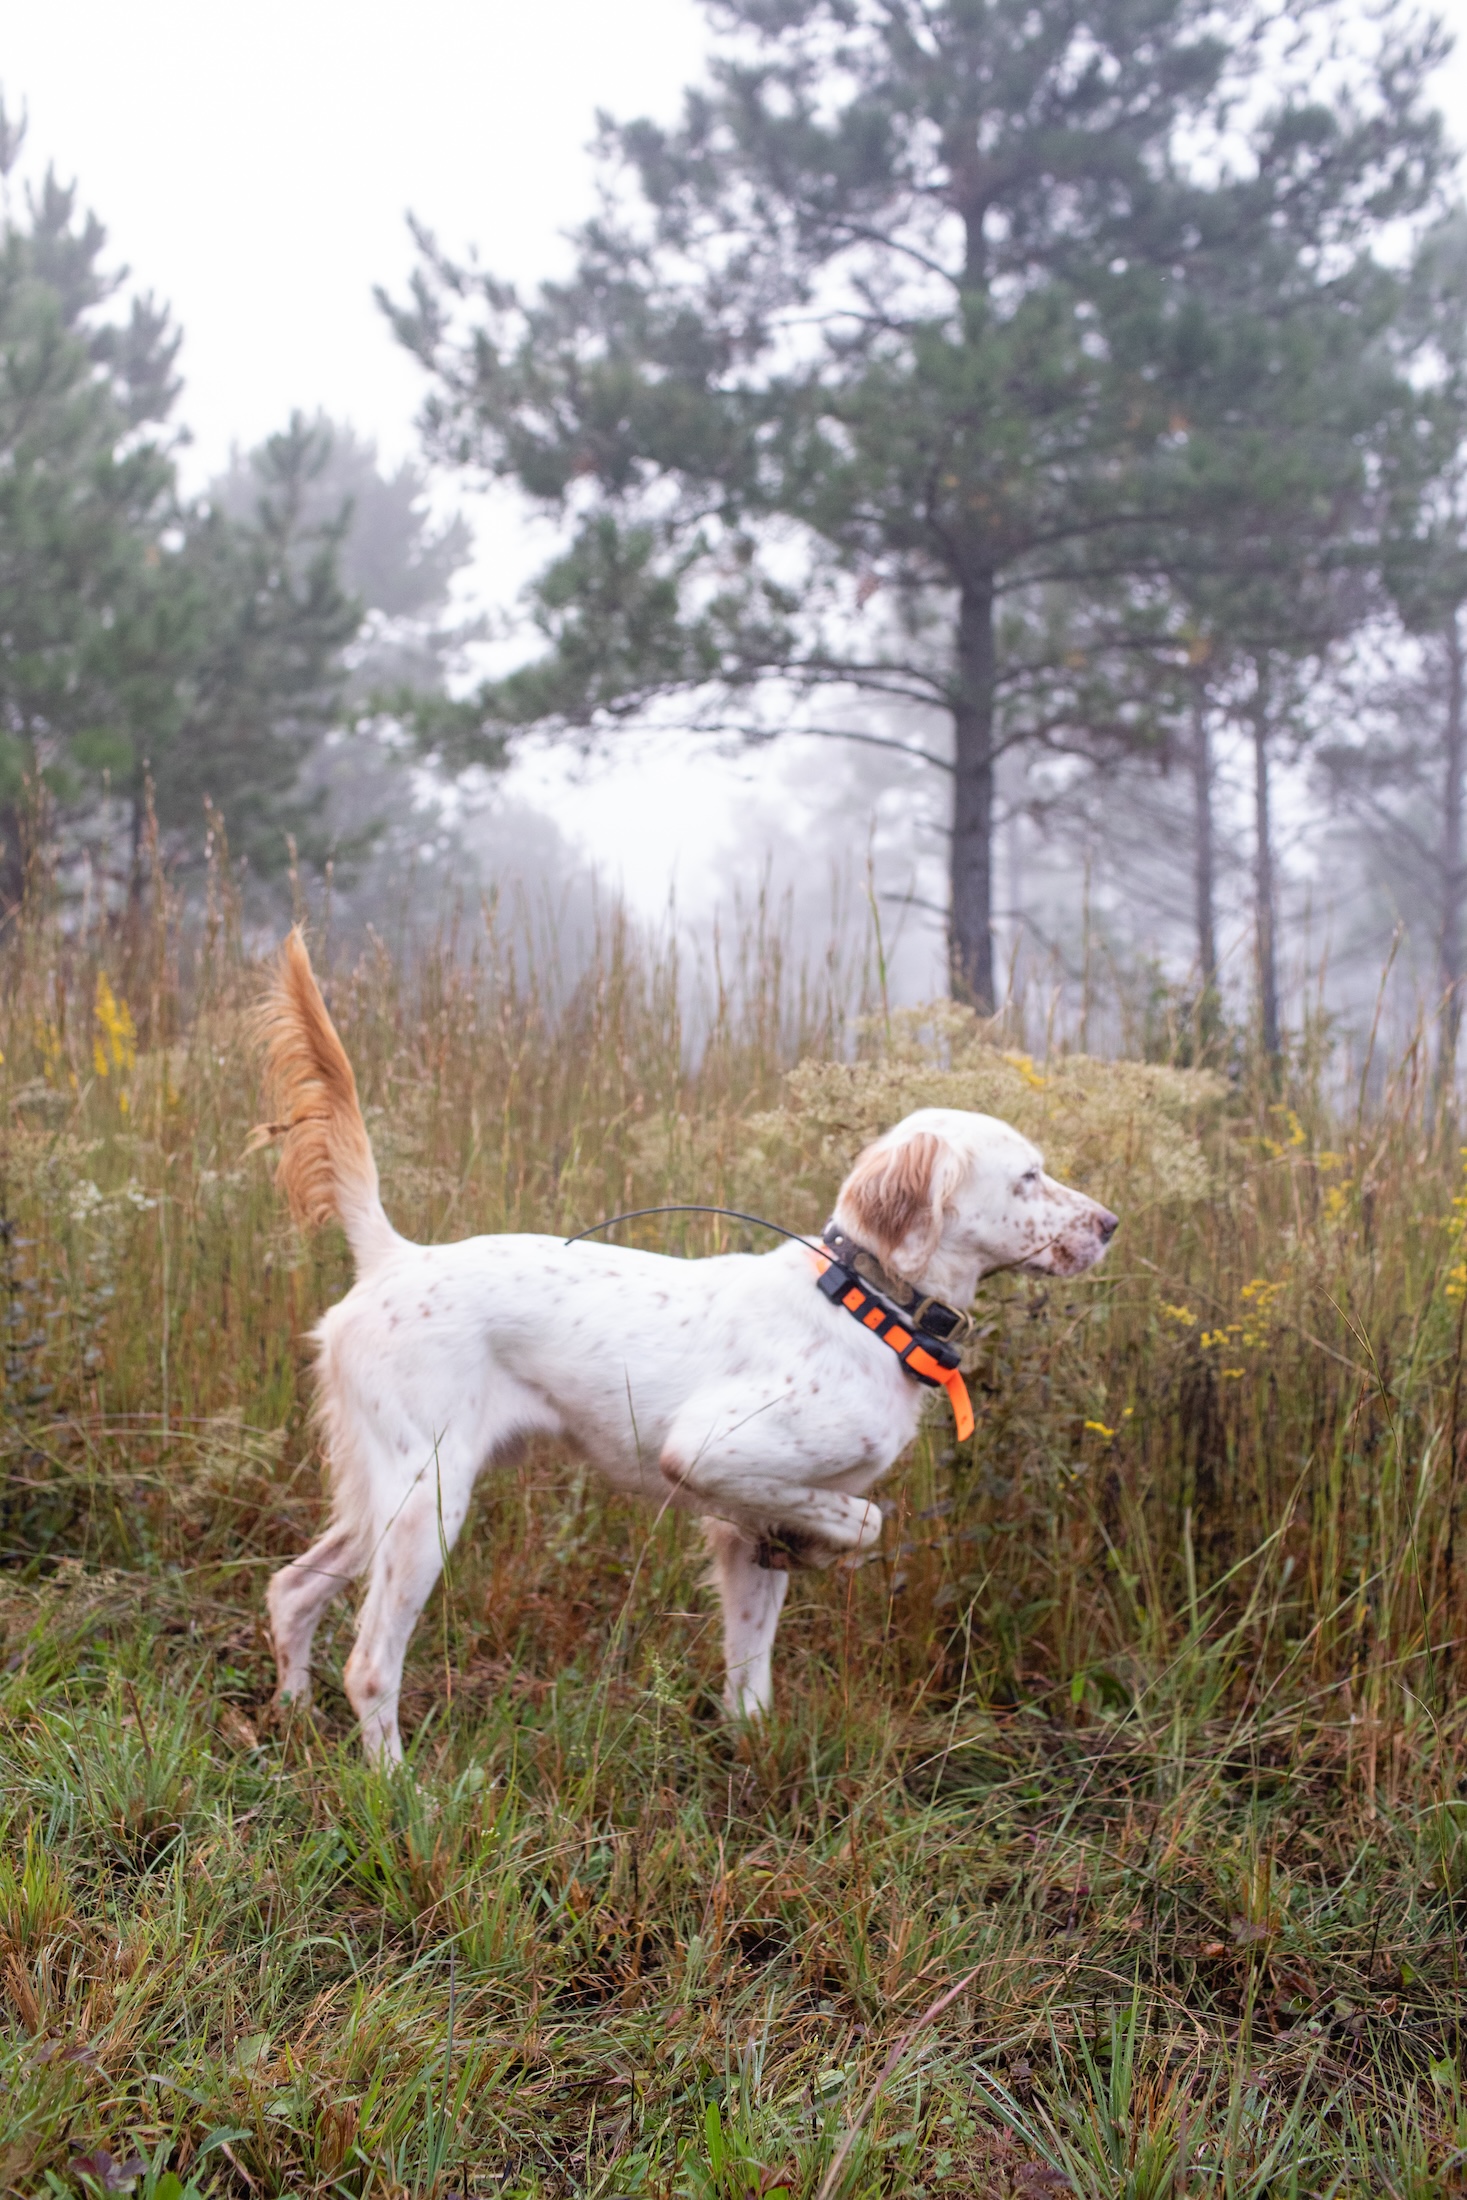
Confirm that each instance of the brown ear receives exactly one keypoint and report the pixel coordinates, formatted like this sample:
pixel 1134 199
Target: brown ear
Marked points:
pixel 889 1193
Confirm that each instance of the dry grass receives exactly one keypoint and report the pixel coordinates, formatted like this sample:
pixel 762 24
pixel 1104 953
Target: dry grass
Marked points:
pixel 1145 1724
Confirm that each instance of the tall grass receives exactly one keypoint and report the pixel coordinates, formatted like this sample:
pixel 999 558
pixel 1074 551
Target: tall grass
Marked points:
pixel 1143 1731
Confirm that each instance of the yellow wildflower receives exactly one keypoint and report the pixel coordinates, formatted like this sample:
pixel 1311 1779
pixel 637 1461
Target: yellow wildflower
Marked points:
pixel 1297 1134
pixel 1024 1064
pixel 49 1047
pixel 115 1042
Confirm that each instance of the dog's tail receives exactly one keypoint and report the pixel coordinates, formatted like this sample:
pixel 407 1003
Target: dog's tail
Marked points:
pixel 326 1167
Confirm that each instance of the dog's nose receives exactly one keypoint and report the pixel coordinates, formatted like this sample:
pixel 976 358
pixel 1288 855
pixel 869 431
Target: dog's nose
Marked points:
pixel 1107 1224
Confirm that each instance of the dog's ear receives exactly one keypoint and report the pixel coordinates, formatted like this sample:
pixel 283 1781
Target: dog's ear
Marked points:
pixel 894 1198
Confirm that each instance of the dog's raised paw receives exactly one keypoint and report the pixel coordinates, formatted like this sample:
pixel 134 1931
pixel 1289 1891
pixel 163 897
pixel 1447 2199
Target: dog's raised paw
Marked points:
pixel 780 1551
pixel 791 1550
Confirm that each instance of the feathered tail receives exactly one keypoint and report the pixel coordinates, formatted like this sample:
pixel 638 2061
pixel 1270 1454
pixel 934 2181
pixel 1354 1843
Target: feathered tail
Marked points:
pixel 326 1167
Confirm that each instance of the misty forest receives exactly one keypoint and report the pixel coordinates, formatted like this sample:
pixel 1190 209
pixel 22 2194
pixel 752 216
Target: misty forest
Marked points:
pixel 1022 444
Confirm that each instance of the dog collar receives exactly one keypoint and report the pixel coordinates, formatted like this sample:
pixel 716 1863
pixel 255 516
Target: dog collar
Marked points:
pixel 919 1334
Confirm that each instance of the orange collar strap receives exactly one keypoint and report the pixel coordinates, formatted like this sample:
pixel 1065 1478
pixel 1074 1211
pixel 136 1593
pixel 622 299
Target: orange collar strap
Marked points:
pixel 926 1358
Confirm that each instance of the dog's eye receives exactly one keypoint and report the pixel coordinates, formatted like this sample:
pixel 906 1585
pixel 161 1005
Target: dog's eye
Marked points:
pixel 1031 1176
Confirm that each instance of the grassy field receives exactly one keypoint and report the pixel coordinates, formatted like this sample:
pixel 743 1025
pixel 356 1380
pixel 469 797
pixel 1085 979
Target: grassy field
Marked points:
pixel 1107 1837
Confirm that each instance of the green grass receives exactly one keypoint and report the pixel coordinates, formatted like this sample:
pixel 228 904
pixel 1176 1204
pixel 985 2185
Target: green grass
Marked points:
pixel 1143 1733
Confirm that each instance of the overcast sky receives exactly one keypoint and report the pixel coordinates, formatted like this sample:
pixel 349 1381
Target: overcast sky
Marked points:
pixel 254 166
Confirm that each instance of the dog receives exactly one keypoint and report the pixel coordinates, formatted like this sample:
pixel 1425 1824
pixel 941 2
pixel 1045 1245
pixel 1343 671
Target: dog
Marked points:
pixel 733 1388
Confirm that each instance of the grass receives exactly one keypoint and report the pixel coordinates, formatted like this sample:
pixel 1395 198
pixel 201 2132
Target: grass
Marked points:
pixel 1109 1836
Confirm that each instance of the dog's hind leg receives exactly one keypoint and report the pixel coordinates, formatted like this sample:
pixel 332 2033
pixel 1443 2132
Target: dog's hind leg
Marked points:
pixel 296 1598
pixel 404 1565
pixel 752 1598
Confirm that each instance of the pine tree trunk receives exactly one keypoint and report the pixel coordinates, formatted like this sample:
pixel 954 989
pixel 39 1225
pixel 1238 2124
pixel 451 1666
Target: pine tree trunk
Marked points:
pixel 136 824
pixel 1268 983
pixel 1449 953
pixel 971 921
pixel 1205 857
pixel 12 859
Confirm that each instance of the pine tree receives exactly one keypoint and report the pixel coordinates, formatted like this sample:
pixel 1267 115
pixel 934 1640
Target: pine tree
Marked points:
pixel 395 557
pixel 1404 772
pixel 1428 573
pixel 399 562
pixel 1278 534
pixel 858 387
pixel 265 672
pixel 86 494
pixel 145 641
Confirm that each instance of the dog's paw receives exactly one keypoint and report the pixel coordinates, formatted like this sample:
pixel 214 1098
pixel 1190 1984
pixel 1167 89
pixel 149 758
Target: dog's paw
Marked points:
pixel 787 1550
pixel 784 1549
pixel 781 1550
pixel 794 1550
pixel 868 1531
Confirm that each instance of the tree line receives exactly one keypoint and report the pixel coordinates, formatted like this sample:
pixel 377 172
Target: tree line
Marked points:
pixel 165 656
pixel 995 379
pixel 996 382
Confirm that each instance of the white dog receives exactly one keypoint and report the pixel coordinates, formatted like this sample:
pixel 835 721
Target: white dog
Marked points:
pixel 738 1388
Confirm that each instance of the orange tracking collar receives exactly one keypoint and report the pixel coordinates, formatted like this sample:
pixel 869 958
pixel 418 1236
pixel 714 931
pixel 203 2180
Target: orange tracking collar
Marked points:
pixel 924 1356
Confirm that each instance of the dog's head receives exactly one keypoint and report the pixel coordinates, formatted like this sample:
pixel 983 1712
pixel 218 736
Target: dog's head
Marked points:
pixel 946 1198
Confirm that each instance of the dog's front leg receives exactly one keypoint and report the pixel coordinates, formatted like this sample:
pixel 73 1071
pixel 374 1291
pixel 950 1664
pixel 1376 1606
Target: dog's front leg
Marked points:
pixel 752 1597
pixel 754 1466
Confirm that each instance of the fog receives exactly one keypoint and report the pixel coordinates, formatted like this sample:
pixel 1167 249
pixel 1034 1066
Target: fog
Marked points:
pixel 255 171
